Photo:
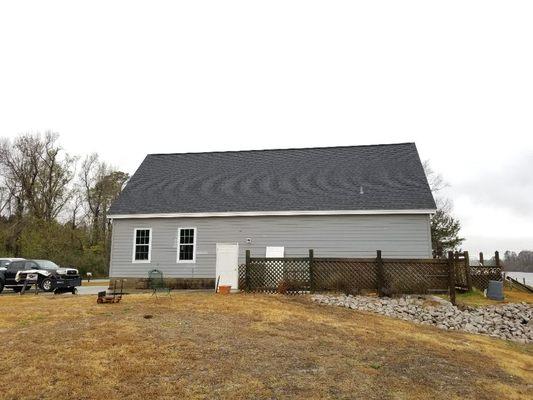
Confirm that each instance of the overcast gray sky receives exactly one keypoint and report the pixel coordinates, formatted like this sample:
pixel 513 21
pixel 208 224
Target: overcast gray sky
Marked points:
pixel 126 78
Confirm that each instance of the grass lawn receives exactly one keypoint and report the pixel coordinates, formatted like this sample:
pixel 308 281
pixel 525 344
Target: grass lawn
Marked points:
pixel 201 345
pixel 475 298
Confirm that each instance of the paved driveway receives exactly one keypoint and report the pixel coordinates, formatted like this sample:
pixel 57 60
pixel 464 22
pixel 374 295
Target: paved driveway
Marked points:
pixel 91 289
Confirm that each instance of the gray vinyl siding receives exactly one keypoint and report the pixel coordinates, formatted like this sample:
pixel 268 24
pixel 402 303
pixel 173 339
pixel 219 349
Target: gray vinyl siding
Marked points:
pixel 398 236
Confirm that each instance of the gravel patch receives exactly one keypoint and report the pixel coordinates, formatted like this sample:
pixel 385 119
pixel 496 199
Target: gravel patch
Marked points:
pixel 507 321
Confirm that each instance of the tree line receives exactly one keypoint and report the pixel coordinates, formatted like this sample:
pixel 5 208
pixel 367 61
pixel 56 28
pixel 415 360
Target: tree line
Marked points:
pixel 53 205
pixel 522 262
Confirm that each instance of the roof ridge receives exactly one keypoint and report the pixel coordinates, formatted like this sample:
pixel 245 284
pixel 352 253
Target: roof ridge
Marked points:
pixel 283 149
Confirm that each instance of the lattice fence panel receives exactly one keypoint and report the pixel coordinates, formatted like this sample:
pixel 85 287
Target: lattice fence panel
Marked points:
pixel 283 275
pixel 461 270
pixel 415 277
pixel 348 275
pixel 242 277
pixel 294 275
pixel 481 276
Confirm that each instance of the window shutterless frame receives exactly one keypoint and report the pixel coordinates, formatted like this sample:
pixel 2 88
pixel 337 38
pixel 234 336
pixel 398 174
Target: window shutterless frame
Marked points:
pixel 147 261
pixel 179 244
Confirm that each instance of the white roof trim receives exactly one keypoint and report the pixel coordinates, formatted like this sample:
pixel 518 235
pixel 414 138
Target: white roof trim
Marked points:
pixel 270 213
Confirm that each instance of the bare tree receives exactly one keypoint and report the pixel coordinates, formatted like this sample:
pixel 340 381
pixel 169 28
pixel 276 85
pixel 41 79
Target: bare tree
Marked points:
pixel 55 175
pixel 36 175
pixel 101 185
pixel 75 208
pixel 4 198
pixel 435 180
pixel 445 228
pixel 19 173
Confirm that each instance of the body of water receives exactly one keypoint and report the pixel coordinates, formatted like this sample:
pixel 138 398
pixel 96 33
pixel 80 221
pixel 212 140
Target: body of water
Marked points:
pixel 520 276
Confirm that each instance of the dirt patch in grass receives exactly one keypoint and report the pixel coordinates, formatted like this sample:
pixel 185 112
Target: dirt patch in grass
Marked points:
pixel 201 345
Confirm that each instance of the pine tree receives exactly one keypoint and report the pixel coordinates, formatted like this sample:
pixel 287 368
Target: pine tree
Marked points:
pixel 444 233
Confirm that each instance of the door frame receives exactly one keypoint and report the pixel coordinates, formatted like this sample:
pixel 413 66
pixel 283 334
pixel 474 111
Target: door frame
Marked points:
pixel 236 244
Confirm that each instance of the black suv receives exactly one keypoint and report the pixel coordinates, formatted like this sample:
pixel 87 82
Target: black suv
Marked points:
pixel 50 277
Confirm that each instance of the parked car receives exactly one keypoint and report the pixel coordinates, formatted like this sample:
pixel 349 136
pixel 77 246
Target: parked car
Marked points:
pixel 4 262
pixel 50 277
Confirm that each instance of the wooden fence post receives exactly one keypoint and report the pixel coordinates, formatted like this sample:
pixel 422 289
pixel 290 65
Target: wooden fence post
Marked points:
pixel 451 276
pixel 467 267
pixel 247 271
pixel 311 271
pixel 481 259
pixel 379 273
pixel 499 266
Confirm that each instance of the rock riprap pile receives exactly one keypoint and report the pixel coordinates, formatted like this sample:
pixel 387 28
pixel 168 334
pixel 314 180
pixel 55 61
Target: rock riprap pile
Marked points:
pixel 505 321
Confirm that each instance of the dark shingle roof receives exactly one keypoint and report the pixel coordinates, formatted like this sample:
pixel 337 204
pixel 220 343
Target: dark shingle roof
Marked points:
pixel 330 178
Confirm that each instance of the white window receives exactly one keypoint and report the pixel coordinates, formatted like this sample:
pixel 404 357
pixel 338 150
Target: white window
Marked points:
pixel 142 245
pixel 275 252
pixel 186 245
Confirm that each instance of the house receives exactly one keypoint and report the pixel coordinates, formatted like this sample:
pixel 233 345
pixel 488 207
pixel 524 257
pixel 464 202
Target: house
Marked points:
pixel 190 214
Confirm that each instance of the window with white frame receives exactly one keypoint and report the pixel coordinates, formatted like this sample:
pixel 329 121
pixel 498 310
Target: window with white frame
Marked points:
pixel 186 245
pixel 142 244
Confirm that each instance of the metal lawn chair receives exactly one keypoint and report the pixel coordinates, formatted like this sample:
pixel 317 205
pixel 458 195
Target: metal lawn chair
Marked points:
pixel 156 282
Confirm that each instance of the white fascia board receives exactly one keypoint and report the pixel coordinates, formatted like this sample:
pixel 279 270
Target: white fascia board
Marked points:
pixel 270 213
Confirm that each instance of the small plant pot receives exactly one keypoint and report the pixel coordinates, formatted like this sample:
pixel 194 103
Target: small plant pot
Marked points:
pixel 224 289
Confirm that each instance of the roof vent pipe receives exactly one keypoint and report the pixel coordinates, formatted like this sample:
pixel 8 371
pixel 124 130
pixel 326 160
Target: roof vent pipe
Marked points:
pixel 361 190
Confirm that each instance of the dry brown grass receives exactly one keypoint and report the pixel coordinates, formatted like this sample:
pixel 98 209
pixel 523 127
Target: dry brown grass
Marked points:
pixel 201 345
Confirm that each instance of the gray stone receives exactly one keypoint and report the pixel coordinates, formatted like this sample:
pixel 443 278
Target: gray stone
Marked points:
pixel 509 321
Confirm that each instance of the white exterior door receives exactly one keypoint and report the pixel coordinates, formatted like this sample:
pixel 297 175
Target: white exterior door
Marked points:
pixel 227 264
